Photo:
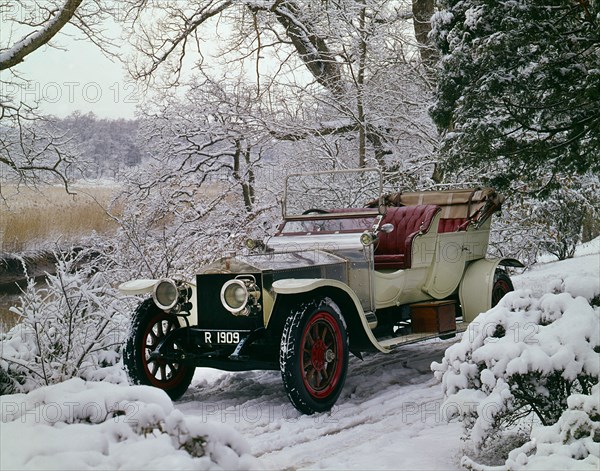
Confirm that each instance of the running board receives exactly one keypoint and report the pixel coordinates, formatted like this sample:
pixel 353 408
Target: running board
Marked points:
pixel 395 342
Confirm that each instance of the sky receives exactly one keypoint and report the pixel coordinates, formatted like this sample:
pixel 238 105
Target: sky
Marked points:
pixel 77 77
pixel 74 75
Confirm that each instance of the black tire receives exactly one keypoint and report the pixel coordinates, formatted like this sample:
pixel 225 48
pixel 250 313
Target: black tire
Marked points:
pixel 314 371
pixel 502 285
pixel 149 325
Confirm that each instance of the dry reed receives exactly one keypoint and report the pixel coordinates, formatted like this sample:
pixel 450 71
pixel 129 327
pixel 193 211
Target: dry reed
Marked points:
pixel 33 220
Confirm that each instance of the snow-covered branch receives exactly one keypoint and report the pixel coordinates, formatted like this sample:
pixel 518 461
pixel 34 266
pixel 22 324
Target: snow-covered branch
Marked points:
pixel 36 39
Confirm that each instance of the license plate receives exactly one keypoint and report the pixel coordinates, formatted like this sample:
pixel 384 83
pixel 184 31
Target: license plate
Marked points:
pixel 221 337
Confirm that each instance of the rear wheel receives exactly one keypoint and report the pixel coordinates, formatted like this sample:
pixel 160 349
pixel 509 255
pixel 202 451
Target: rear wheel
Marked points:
pixel 314 356
pixel 502 285
pixel 149 326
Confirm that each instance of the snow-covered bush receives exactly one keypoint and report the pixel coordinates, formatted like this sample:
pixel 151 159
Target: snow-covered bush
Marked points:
pixel 72 325
pixel 525 356
pixel 99 425
pixel 572 443
pixel 515 234
pixel 529 226
pixel 562 216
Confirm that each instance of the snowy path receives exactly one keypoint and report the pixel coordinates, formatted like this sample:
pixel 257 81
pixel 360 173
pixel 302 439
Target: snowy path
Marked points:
pixel 388 416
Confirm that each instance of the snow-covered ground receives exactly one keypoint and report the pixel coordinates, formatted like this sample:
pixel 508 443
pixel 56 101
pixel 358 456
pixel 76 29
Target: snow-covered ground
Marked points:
pixel 579 275
pixel 390 414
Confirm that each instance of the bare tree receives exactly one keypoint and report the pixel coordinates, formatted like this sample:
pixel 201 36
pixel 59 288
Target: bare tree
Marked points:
pixel 354 60
pixel 196 194
pixel 31 149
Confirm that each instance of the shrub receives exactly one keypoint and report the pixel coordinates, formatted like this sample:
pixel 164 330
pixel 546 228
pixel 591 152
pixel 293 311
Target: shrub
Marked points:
pixel 572 443
pixel 529 226
pixel 525 356
pixel 71 327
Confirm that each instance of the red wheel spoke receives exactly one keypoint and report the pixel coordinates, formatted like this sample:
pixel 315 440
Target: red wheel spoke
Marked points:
pixel 315 329
pixel 309 375
pixel 158 371
pixel 325 332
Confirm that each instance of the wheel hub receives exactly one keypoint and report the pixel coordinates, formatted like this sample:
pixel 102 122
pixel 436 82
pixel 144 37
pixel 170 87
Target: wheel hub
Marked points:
pixel 329 356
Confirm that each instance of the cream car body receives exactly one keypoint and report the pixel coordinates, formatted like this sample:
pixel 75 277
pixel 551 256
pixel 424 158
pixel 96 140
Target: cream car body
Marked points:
pixel 336 277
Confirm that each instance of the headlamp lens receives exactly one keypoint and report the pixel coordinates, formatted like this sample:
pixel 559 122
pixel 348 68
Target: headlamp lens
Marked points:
pixel 165 294
pixel 234 295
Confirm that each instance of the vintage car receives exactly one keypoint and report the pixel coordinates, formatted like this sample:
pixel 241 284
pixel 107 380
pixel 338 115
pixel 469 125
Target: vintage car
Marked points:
pixel 349 270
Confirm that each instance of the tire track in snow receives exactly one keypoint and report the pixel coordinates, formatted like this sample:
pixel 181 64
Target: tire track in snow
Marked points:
pixel 387 400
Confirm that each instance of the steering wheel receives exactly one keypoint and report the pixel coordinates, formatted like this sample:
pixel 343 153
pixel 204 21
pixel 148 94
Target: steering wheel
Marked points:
pixel 316 211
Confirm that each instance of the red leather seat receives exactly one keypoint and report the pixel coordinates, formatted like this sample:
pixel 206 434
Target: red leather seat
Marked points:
pixel 393 249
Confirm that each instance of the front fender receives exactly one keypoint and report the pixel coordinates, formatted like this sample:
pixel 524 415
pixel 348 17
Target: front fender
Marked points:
pixel 136 287
pixel 304 285
pixel 360 333
pixel 475 290
pixel 146 286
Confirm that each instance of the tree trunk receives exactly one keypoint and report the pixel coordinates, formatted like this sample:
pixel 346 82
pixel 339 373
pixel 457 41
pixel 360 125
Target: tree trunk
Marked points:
pixel 246 186
pixel 422 11
pixel 590 227
pixel 362 132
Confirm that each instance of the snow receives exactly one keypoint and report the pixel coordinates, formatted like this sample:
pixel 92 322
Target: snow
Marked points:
pixel 579 276
pixel 392 414
pixel 98 425
pixel 389 403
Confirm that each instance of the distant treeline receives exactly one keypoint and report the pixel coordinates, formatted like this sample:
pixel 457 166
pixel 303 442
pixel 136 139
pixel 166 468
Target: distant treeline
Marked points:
pixel 107 146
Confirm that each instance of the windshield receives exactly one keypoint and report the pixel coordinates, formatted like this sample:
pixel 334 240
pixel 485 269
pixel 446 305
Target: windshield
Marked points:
pixel 333 190
pixel 328 225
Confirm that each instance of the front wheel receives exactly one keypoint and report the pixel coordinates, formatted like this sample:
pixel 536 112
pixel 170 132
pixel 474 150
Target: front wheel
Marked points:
pixel 149 326
pixel 314 356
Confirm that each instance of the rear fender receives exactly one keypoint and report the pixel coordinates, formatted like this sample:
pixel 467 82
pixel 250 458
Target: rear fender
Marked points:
pixel 291 291
pixel 475 290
